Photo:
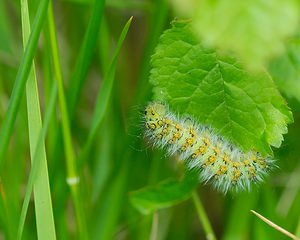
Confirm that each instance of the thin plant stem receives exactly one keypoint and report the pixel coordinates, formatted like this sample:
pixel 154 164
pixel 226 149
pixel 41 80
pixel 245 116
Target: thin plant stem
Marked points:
pixel 275 226
pixel 210 235
pixel 72 174
pixel 154 228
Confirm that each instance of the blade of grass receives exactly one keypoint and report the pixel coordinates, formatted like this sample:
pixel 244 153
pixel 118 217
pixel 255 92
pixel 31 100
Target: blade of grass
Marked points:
pixel 103 163
pixel 158 20
pixel 238 209
pixel 48 83
pixel 105 228
pixel 297 233
pixel 108 214
pixel 42 195
pixel 59 188
pixel 107 219
pixel 82 65
pixel 105 92
pixel 104 45
pixel 85 55
pixel 72 174
pixel 107 223
pixel 36 159
pixel 13 174
pixel 21 79
pixel 81 68
pixel 273 225
pixel 210 235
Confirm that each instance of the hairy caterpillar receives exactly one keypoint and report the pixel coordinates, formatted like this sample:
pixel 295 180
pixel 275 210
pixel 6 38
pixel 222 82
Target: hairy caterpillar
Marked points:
pixel 220 162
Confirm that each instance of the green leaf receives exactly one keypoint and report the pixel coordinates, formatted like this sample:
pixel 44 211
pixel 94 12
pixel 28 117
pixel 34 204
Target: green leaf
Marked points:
pixel 21 78
pixel 71 165
pixel 104 95
pixel 42 194
pixel 85 55
pixel 216 90
pixel 285 70
pixel 165 194
pixel 254 29
pixel 35 169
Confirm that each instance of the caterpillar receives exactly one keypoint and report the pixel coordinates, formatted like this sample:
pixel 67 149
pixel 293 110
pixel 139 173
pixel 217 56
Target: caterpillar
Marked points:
pixel 219 162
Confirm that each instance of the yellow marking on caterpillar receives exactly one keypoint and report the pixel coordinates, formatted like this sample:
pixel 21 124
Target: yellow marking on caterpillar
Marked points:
pixel 236 164
pixel 211 160
pixel 222 170
pixel 246 162
pixel 192 132
pixel 165 131
pixel 217 150
pixel 201 150
pixel 167 121
pixel 206 141
pixel 178 127
pixel 219 161
pixel 151 126
pixel 175 137
pixel 226 158
pixel 160 123
pixel 236 175
pixel 252 172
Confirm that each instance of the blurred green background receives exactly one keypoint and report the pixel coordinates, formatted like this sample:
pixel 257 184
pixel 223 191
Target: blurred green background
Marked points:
pixel 110 154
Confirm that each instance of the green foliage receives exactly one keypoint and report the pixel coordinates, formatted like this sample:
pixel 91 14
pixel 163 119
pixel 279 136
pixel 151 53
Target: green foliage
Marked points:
pixel 42 194
pixel 21 78
pixel 71 165
pixel 104 136
pixel 254 29
pixel 5 34
pixel 104 96
pixel 164 194
pixel 85 54
pixel 245 107
pixel 285 70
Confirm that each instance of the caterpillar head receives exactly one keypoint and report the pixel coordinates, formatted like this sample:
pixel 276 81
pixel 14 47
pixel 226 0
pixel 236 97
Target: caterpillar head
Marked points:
pixel 154 112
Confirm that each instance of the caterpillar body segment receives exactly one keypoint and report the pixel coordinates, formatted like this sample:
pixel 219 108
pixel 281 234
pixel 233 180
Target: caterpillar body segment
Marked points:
pixel 219 162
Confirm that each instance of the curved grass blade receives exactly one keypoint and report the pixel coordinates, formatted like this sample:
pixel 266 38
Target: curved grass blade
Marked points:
pixel 36 159
pixel 21 79
pixel 105 92
pixel 72 173
pixel 85 55
pixel 42 195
